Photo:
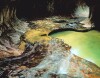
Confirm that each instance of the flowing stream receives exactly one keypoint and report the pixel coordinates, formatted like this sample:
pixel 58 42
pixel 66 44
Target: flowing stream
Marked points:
pixel 84 44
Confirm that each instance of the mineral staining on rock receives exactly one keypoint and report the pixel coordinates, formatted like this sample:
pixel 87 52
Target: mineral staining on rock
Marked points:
pixel 41 28
pixel 8 49
pixel 46 57
pixel 50 60
pixel 34 35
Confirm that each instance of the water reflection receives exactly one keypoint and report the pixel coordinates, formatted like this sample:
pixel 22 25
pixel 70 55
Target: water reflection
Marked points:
pixel 84 44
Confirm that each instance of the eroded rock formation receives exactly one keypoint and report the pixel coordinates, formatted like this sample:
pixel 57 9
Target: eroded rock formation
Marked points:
pixel 50 59
pixel 26 50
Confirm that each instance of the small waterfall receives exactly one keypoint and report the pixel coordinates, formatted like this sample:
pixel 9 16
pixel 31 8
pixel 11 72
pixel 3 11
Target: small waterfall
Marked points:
pixel 64 65
pixel 82 11
pixel 75 51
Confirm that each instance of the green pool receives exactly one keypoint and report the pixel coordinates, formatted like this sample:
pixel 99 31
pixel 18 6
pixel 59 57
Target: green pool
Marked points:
pixel 84 44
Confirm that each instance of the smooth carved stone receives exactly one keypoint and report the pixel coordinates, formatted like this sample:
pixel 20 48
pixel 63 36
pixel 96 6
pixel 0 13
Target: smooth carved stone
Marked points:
pixel 48 60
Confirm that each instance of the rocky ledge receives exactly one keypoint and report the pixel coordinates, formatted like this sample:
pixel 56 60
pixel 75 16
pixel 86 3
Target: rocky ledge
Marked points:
pixel 36 55
pixel 52 59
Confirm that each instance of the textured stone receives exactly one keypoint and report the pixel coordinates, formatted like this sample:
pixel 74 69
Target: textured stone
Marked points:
pixel 51 60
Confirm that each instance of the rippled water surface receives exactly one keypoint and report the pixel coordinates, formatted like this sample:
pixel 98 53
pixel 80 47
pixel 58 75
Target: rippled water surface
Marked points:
pixel 84 44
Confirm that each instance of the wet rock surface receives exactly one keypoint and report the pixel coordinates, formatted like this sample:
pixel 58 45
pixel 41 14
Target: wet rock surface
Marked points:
pixel 48 60
pixel 54 23
pixel 33 54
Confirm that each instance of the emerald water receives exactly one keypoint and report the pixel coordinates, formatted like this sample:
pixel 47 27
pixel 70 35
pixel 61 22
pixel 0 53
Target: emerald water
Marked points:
pixel 84 44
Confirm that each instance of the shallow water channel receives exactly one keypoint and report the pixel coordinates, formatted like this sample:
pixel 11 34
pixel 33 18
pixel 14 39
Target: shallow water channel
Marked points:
pixel 84 44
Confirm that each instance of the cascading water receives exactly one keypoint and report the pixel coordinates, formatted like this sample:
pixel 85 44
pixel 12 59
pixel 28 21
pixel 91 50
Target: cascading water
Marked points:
pixel 64 65
pixel 82 11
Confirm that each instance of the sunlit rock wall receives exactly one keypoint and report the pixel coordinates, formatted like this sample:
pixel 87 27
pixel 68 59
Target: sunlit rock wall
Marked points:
pixel 82 11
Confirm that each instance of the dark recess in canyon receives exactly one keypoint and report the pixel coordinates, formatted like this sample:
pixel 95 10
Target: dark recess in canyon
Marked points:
pixel 32 9
pixel 18 12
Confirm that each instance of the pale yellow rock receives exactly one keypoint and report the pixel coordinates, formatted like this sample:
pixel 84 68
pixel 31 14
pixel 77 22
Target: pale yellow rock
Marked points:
pixel 35 35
